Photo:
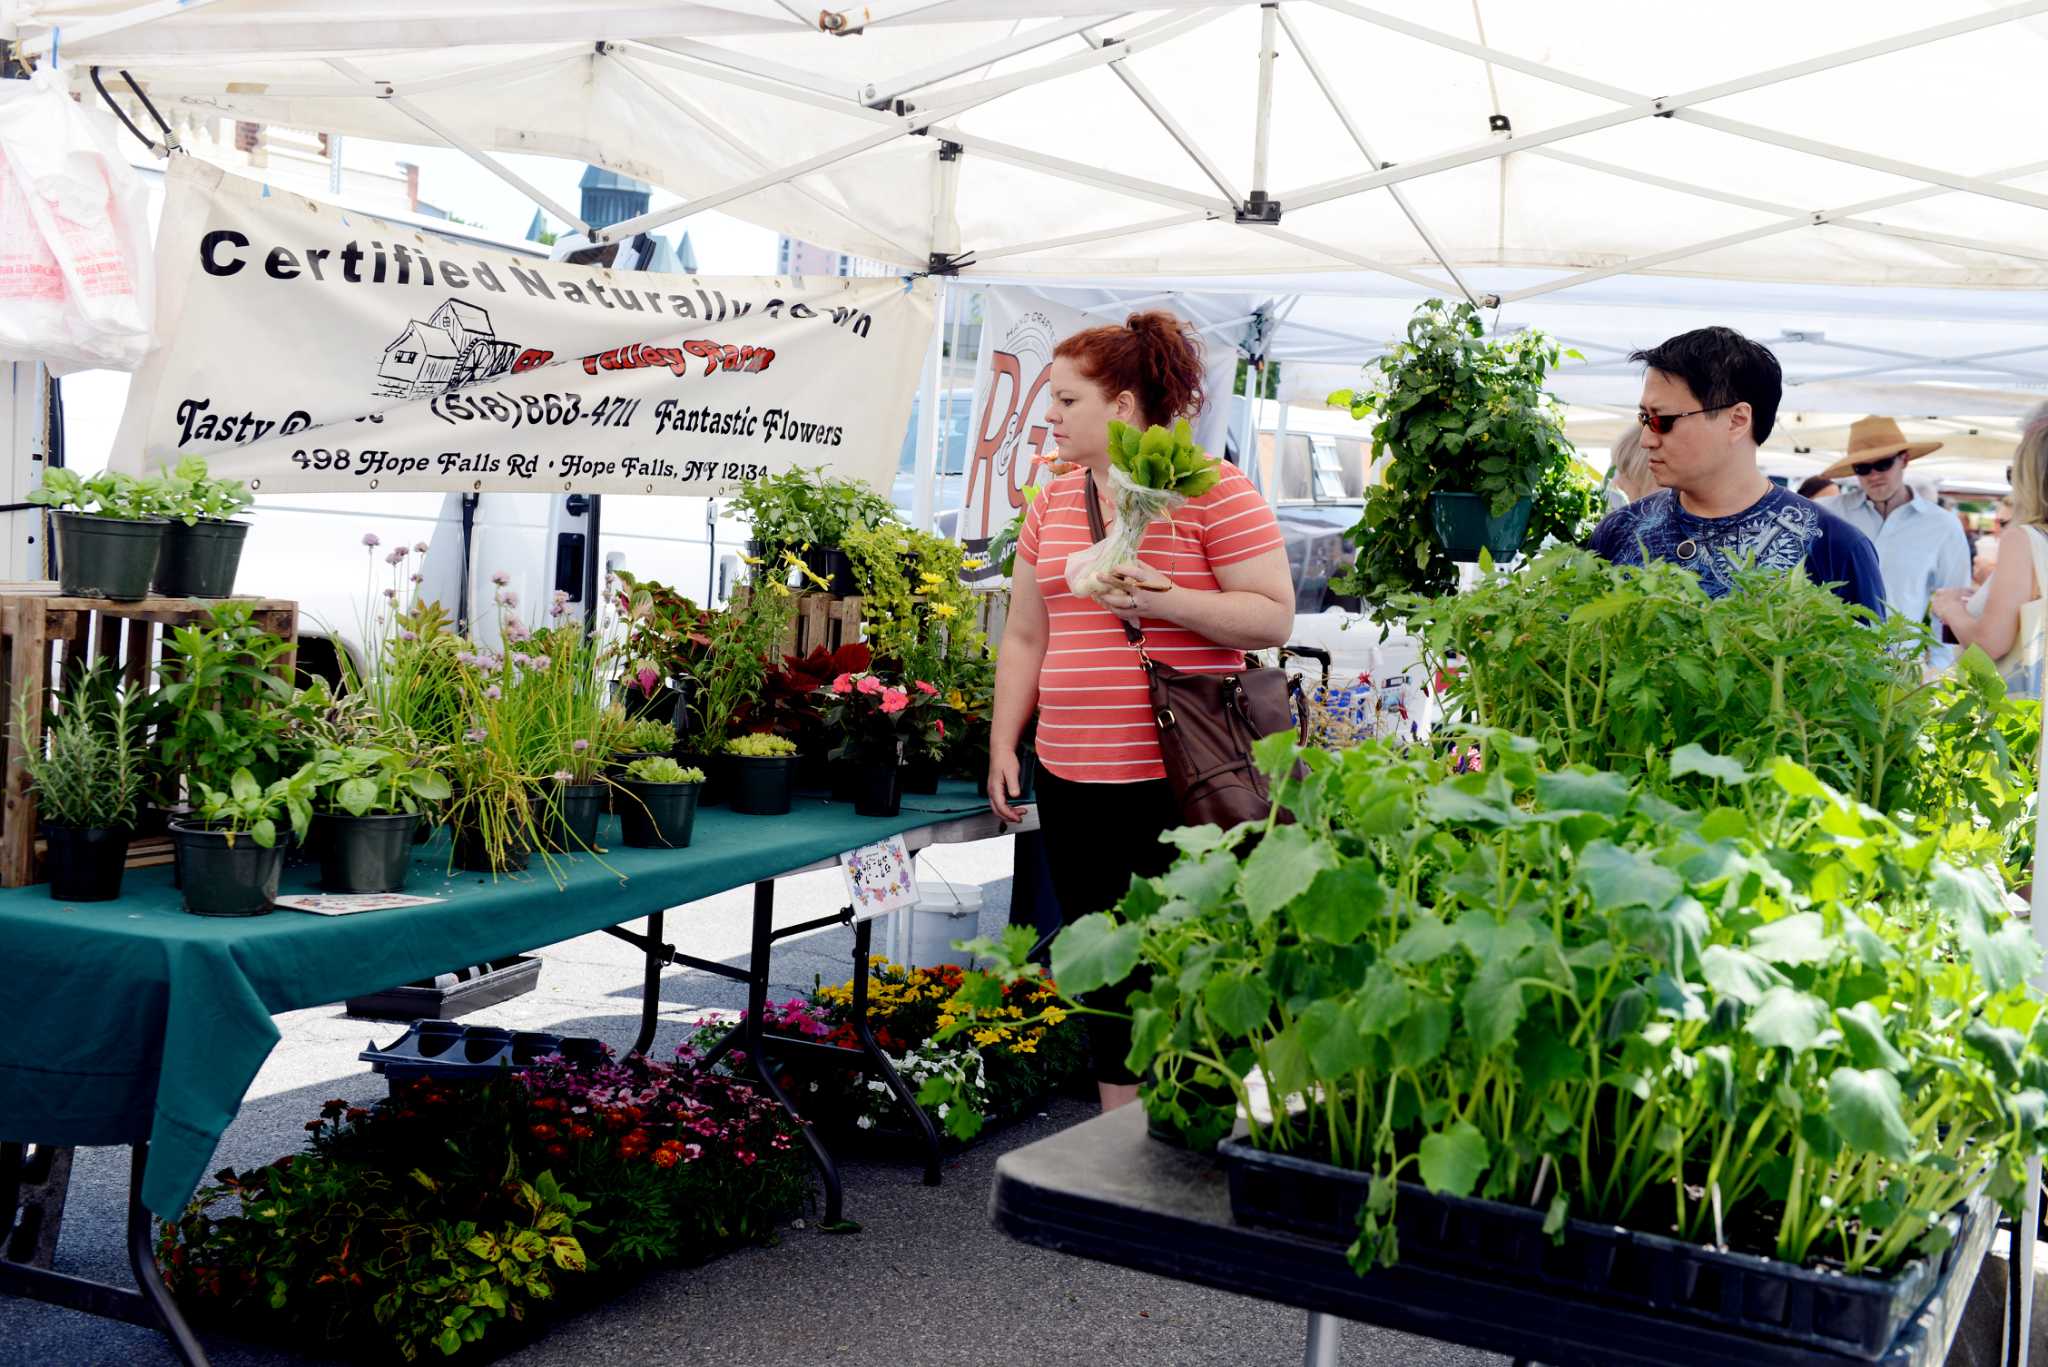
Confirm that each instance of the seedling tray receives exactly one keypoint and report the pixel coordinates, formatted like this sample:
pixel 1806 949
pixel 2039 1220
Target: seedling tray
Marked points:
pixel 450 1052
pixel 499 981
pixel 1746 1293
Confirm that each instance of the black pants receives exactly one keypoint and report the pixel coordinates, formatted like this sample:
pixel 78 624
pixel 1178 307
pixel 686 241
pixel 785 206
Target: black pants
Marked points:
pixel 1099 836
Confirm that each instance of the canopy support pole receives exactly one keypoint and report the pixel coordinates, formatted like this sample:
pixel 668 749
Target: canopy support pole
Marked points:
pixel 1173 128
pixel 886 93
pixel 456 140
pixel 1972 359
pixel 928 417
pixel 1343 113
pixel 1259 208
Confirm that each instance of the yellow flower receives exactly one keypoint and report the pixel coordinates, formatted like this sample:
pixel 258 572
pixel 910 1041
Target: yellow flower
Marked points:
pixel 1053 1015
pixel 986 1037
pixel 945 1019
pixel 751 559
pixel 944 609
pixel 973 562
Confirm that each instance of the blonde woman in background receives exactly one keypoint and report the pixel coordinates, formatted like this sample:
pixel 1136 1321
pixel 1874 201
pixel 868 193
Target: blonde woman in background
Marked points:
pixel 2006 617
pixel 1628 470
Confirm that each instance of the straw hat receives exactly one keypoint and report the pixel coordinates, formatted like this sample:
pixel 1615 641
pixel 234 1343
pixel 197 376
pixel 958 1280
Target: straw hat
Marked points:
pixel 1874 439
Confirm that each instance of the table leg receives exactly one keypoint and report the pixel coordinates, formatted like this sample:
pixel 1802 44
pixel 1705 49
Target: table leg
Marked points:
pixel 2019 1271
pixel 142 1263
pixel 1325 1341
pixel 863 941
pixel 650 985
pixel 757 1053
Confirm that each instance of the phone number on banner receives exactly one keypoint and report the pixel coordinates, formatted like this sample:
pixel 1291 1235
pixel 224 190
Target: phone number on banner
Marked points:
pixel 538 410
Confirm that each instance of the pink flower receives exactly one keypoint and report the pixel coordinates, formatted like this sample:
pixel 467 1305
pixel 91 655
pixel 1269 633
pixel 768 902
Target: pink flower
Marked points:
pixel 372 540
pixel 894 700
pixel 419 579
pixel 478 736
pixel 493 693
pixel 942 728
pixel 516 630
pixel 396 557
pixel 392 594
pixel 407 635
pixel 927 689
pixel 868 683
pixel 843 684
pixel 501 579
pixel 564 776
pixel 580 746
pixel 647 678
pixel 421 548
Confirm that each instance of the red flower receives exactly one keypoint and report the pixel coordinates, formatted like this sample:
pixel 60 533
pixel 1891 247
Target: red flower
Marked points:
pixel 543 1131
pixel 356 1113
pixel 941 723
pixel 665 1157
pixel 581 1132
pixel 315 1125
pixel 843 684
pixel 868 683
pixel 894 700
pixel 925 688
pixel 558 1150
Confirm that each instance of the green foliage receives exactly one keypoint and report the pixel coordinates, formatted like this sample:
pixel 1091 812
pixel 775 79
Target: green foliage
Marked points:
pixel 761 745
pixel 108 494
pixel 1002 547
pixel 1163 458
pixel 743 642
pixel 1639 671
pixel 246 807
pixel 188 493
pixel 88 771
pixel 799 508
pixel 1777 1018
pixel 369 780
pixel 1459 412
pixel 224 705
pixel 647 738
pixel 662 769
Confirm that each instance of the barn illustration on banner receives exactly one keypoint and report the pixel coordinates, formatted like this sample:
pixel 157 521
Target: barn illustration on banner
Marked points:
pixel 455 346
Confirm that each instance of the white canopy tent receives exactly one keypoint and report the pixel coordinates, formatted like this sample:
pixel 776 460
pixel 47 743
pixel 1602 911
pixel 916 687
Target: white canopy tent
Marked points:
pixel 1876 182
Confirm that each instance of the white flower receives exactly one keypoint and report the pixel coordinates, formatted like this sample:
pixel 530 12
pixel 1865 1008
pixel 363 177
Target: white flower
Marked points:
pixel 944 1106
pixel 865 1122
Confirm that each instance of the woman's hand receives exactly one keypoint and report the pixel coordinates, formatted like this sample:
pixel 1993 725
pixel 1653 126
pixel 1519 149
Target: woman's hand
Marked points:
pixel 1950 604
pixel 1003 786
pixel 1134 592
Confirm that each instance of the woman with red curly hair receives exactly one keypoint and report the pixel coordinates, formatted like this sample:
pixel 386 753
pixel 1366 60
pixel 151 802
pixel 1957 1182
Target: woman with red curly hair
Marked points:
pixel 1210 583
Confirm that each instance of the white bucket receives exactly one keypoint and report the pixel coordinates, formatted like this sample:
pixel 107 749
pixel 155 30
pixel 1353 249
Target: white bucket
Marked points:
pixel 936 921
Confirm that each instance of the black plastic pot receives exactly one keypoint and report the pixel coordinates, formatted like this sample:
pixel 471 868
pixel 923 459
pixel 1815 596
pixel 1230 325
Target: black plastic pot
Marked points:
pixel 1463 525
pixel 107 557
pixel 366 853
pixel 200 561
pixel 658 816
pixel 835 567
pixel 717 783
pixel 762 784
pixel 85 863
pixel 473 855
pixel 1741 1292
pixel 615 770
pixel 877 789
pixel 921 775
pixel 569 813
pixel 223 875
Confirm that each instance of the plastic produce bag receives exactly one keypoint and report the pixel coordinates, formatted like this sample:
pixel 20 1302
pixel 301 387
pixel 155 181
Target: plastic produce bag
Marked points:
pixel 77 278
pixel 1137 508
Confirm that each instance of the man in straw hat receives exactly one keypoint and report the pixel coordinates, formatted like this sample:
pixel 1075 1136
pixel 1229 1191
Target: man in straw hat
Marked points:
pixel 1710 398
pixel 1920 545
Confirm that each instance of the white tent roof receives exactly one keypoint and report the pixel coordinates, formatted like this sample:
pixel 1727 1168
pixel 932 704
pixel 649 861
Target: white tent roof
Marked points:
pixel 1882 142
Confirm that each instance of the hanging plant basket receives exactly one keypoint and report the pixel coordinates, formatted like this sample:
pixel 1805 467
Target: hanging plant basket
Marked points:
pixel 1464 526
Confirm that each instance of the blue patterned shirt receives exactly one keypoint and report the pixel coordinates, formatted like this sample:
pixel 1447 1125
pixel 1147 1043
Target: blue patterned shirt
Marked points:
pixel 1780 531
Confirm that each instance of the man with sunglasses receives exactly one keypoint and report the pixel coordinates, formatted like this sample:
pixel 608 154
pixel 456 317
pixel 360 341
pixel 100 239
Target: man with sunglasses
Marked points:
pixel 1710 398
pixel 1921 545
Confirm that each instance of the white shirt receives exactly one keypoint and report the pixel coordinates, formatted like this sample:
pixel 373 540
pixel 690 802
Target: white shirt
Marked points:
pixel 1920 548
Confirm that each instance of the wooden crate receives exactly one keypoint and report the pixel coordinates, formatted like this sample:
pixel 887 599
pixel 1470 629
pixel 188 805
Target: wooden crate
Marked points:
pixel 822 620
pixel 45 639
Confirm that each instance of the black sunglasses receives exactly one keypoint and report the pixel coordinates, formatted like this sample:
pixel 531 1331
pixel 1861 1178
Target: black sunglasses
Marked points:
pixel 1662 423
pixel 1876 467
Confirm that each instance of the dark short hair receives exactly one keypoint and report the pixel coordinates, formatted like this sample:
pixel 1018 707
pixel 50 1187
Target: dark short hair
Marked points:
pixel 1813 484
pixel 1722 367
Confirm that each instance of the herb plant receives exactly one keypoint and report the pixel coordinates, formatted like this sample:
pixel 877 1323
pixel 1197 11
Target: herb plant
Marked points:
pixel 1776 1020
pixel 89 770
pixel 364 780
pixel 663 769
pixel 108 494
pixel 761 745
pixel 800 508
pixel 249 808
pixel 224 703
pixel 189 494
pixel 647 737
pixel 1459 412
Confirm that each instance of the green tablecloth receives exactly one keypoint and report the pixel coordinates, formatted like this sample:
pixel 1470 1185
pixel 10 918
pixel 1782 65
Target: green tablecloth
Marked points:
pixel 135 1020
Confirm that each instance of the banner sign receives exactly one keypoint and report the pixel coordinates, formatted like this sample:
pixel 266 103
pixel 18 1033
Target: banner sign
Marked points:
pixel 1012 390
pixel 305 348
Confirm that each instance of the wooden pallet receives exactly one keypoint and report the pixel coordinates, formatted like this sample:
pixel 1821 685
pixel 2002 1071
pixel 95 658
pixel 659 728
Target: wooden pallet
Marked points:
pixel 822 620
pixel 45 639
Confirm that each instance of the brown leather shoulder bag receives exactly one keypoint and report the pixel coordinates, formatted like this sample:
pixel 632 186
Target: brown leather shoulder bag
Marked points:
pixel 1208 722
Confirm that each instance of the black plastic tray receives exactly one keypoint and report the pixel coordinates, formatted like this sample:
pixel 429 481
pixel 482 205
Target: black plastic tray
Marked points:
pixel 499 981
pixel 452 1052
pixel 1747 1293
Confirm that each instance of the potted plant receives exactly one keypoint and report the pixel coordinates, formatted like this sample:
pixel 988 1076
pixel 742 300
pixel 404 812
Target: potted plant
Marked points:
pixel 110 532
pixel 741 643
pixel 662 638
pixel 790 705
pixel 659 807
pixel 1477 456
pixel 223 704
pixel 230 854
pixel 871 718
pixel 370 800
pixel 634 740
pixel 763 773
pixel 202 541
pixel 88 779
pixel 810 513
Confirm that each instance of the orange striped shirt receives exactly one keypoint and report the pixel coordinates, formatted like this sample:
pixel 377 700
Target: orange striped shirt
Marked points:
pixel 1094 712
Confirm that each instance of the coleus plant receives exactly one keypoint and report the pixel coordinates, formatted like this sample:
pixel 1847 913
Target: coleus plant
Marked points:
pixel 1777 1018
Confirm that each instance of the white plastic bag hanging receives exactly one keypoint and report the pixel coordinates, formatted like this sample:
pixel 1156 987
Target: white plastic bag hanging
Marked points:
pixel 77 278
